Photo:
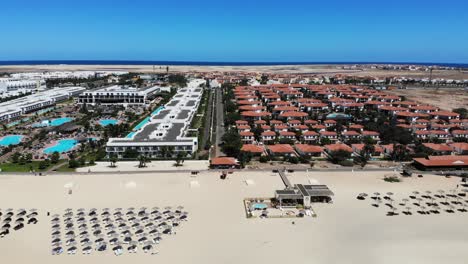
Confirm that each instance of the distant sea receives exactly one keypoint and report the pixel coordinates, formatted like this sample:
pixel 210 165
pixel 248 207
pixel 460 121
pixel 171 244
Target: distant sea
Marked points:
pixel 206 63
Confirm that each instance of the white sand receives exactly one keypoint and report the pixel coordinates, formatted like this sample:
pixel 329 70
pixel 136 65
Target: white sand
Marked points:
pixel 348 231
pixel 163 165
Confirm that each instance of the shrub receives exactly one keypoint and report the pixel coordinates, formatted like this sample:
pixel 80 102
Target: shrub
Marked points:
pixel 346 163
pixel 263 159
pixel 293 160
pixel 392 179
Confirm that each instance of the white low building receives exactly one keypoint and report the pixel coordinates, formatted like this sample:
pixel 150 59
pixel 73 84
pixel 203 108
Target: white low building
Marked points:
pixel 14 109
pixel 119 95
pixel 8 85
pixel 165 131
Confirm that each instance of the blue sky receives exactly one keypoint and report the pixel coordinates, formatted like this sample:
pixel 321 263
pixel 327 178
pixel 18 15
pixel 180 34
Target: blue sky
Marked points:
pixel 237 31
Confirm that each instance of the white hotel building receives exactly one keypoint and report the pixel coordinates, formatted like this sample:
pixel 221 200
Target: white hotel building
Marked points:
pixel 14 109
pixel 118 95
pixel 168 128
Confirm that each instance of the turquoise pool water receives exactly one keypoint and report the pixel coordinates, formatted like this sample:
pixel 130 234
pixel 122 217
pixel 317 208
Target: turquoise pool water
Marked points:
pixel 54 122
pixel 130 135
pixel 338 116
pixel 146 120
pixel 62 146
pixel 142 123
pixel 259 206
pixel 155 112
pixel 106 122
pixel 10 140
pixel 60 121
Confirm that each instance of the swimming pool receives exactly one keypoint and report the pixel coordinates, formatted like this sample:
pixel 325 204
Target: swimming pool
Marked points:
pixel 259 206
pixel 142 123
pixel 60 121
pixel 146 120
pixel 338 116
pixel 62 146
pixel 130 135
pixel 10 140
pixel 106 122
pixel 54 122
pixel 155 112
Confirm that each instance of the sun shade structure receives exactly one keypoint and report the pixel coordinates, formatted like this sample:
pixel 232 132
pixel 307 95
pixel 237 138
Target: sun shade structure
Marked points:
pixel 303 194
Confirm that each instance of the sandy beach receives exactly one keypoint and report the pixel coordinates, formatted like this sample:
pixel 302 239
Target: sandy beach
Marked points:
pixel 347 231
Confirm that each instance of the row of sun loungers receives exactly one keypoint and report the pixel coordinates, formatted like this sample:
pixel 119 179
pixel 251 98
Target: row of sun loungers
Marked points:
pixel 425 203
pixel 96 230
pixel 14 221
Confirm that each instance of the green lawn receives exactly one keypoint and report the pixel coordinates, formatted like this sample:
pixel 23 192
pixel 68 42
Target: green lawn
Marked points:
pixel 16 167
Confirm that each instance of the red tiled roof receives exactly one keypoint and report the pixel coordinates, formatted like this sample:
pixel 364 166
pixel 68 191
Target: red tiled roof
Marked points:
pixel 310 133
pixel 444 113
pixel 260 122
pixel 246 134
pixel 287 133
pixel 460 132
pixel 443 161
pixel 438 147
pixel 255 114
pixel 459 145
pixel 328 133
pixel 293 114
pixel 338 146
pixel 351 133
pixel 281 148
pixel 224 161
pixel 308 148
pixel 369 133
pixel 252 148
pixel 268 133
pixel 360 147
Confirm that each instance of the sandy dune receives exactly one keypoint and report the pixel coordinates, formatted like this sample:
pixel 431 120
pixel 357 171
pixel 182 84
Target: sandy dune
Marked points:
pixel 328 70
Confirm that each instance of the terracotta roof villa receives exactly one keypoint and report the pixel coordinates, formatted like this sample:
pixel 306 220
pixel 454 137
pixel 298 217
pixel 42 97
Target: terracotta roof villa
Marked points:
pixel 281 149
pixel 254 149
pixel 441 162
pixel 223 163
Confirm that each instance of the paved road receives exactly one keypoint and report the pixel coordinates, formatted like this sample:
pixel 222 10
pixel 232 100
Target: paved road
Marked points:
pixel 114 173
pixel 219 122
pixel 207 124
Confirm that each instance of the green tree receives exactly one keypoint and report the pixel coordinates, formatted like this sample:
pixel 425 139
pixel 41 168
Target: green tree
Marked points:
pixel 55 157
pixel 231 143
pixel 130 153
pixel 15 157
pixel 43 164
pixel 113 160
pixel 142 161
pixel 400 153
pixel 339 156
pixel 28 157
pixel 73 163
pixel 180 157
pixel 462 111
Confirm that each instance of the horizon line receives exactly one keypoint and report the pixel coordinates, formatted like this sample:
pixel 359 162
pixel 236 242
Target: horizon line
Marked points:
pixel 216 63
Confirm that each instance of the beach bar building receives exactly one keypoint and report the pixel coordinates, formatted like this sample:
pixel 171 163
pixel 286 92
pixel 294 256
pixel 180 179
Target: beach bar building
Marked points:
pixel 303 194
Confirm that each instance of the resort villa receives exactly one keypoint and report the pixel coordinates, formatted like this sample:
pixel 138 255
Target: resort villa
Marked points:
pixel 119 95
pixel 14 109
pixel 167 129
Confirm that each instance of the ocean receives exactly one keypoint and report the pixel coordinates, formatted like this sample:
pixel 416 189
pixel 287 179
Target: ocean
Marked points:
pixel 205 63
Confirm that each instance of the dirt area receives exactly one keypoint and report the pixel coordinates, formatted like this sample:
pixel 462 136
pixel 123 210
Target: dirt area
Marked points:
pixel 444 98
pixel 328 70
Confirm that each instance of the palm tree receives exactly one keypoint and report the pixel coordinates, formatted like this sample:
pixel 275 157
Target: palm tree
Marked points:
pixel 180 158
pixel 142 159
pixel 113 160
